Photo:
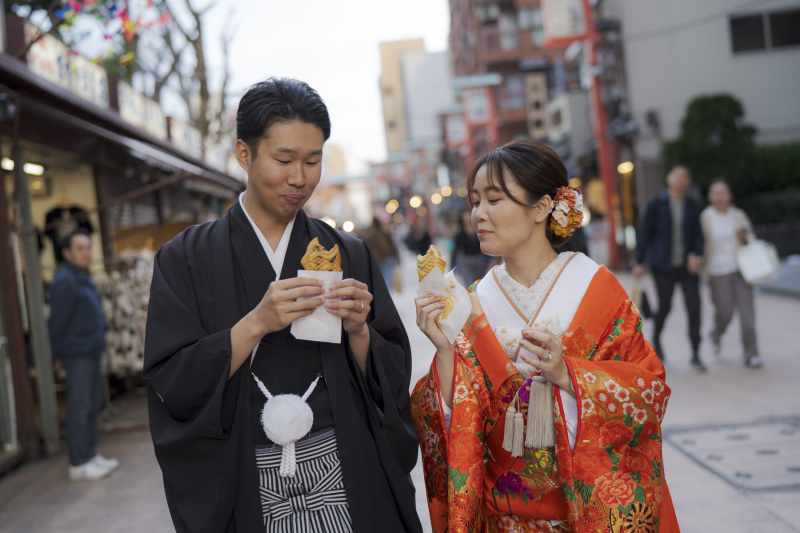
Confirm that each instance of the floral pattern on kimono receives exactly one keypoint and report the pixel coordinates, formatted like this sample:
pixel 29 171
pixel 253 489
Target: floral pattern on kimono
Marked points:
pixel 614 478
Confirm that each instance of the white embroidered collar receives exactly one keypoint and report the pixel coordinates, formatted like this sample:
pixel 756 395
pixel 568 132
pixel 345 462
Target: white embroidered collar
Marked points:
pixel 527 299
pixel 278 256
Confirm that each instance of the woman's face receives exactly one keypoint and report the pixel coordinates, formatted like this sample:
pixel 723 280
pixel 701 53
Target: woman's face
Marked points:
pixel 503 226
pixel 719 195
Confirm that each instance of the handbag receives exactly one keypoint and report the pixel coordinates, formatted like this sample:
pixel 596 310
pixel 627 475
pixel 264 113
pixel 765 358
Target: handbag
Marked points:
pixel 758 261
pixel 397 282
pixel 638 297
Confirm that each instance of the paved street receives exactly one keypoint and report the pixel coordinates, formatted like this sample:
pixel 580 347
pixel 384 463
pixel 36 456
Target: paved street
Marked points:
pixel 732 440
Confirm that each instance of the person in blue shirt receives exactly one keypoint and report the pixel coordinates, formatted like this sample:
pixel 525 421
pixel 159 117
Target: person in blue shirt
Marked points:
pixel 77 339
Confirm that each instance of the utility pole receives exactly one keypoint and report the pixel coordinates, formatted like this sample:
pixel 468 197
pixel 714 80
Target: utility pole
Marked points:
pixel 604 147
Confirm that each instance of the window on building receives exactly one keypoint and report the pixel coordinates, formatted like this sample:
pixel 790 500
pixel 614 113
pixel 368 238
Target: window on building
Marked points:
pixel 785 28
pixel 765 31
pixel 511 95
pixel 509 33
pixel 747 33
pixel 530 18
pixel 556 118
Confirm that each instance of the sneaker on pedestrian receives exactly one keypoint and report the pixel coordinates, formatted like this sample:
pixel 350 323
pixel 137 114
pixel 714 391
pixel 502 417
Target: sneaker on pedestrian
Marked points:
pixel 90 471
pixel 111 464
pixel 697 365
pixel 753 362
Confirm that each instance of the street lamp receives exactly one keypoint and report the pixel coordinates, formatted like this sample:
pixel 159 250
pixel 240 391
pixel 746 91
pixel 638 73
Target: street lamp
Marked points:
pixel 436 198
pixel 626 167
pixel 415 201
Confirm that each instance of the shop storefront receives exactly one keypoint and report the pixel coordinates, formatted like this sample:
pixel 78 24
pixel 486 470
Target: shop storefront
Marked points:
pixel 80 151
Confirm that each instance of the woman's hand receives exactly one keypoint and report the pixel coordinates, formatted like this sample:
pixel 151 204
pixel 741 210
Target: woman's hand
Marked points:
pixel 742 234
pixel 430 306
pixel 549 360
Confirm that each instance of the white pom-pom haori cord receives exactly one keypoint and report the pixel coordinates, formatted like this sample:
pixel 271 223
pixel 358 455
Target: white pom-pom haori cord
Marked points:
pixel 287 418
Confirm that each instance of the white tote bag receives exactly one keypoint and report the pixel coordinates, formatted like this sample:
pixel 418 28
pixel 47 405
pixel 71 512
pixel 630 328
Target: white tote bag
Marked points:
pixel 758 261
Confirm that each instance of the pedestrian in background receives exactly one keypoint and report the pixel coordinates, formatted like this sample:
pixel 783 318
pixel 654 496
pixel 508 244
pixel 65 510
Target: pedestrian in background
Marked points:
pixel 670 241
pixel 468 260
pixel 381 243
pixel 77 339
pixel 418 239
pixel 726 228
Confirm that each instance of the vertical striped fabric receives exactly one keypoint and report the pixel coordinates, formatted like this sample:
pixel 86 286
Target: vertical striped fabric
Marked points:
pixel 315 498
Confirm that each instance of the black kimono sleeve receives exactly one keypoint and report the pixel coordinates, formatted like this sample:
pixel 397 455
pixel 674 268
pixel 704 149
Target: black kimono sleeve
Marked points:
pixel 190 400
pixel 186 366
pixel 388 372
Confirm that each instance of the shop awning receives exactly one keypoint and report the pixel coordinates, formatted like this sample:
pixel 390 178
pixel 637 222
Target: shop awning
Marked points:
pixel 49 100
pixel 150 154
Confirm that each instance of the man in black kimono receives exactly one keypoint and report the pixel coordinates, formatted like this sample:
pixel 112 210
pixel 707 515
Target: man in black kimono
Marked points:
pixel 223 298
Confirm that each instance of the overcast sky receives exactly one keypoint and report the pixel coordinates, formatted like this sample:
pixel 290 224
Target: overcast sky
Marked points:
pixel 332 45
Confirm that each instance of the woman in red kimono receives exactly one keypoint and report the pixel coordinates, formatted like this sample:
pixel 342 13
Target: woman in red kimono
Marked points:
pixel 545 413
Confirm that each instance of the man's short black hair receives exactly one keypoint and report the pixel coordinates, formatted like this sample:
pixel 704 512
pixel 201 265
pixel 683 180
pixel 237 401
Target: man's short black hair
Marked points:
pixel 66 242
pixel 279 100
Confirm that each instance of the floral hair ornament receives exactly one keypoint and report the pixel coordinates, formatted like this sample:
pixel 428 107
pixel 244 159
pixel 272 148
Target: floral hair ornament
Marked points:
pixel 567 211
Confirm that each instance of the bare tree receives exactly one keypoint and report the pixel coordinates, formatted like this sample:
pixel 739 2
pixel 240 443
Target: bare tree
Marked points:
pixel 170 55
pixel 177 61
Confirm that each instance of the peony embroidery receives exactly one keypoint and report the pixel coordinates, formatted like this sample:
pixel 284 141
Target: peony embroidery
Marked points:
pixel 615 488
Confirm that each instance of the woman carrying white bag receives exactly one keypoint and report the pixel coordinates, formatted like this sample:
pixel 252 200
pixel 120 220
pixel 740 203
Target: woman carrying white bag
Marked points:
pixel 726 229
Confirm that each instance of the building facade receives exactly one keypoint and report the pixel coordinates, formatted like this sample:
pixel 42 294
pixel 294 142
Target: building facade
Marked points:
pixel 393 100
pixel 81 150
pixel 676 51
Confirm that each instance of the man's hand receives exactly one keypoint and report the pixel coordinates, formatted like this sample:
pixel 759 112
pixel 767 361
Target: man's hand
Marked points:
pixel 351 300
pixel 693 264
pixel 638 271
pixel 281 305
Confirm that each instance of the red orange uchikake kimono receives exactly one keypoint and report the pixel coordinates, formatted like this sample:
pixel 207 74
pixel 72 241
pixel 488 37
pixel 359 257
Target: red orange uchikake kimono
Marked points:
pixel 613 480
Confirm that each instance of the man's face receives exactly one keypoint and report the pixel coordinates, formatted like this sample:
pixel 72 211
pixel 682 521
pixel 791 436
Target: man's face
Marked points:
pixel 285 170
pixel 679 180
pixel 79 253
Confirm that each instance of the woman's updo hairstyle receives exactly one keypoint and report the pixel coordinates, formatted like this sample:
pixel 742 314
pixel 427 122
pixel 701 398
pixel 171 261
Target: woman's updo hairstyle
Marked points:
pixel 535 167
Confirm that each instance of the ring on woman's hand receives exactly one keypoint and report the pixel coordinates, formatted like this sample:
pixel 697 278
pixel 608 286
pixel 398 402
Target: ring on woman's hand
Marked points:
pixel 549 356
pixel 362 306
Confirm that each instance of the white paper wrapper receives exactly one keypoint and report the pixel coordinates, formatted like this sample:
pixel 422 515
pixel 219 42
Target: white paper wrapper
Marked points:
pixel 320 326
pixel 452 290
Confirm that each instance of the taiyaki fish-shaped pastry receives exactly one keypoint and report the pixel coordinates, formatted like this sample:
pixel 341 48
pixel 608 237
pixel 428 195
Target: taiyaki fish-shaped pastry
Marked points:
pixel 426 263
pixel 319 259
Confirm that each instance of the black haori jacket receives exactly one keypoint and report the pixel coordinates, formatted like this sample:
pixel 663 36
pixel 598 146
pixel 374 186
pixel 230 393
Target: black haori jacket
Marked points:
pixel 202 423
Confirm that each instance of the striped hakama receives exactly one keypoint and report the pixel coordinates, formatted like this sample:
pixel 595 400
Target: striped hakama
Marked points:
pixel 315 498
